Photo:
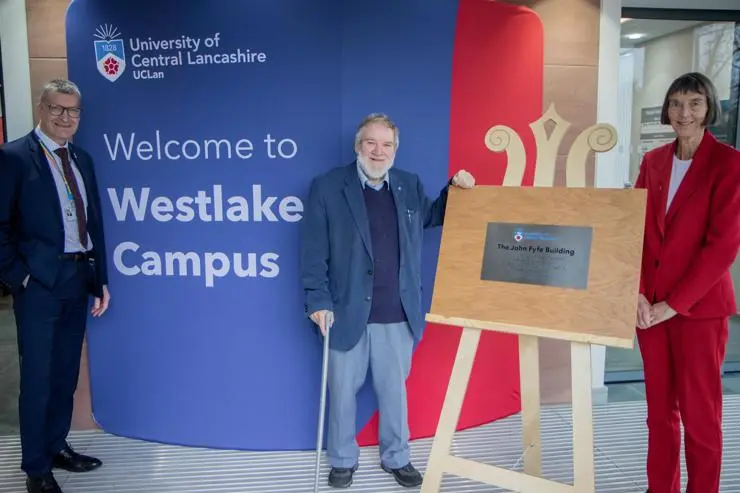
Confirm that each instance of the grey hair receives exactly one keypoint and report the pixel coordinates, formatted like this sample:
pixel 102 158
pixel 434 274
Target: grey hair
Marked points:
pixel 62 86
pixel 376 118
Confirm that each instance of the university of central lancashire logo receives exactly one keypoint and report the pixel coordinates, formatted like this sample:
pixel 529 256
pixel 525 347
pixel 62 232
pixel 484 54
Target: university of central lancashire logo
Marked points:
pixel 109 52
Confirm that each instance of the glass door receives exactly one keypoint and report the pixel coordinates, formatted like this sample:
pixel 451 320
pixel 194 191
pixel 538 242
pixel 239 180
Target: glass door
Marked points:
pixel 656 47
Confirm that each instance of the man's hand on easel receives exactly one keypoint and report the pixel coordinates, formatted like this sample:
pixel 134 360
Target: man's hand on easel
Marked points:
pixel 463 179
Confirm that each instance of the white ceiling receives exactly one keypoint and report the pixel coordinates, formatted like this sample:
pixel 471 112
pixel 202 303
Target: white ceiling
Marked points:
pixel 652 29
pixel 684 4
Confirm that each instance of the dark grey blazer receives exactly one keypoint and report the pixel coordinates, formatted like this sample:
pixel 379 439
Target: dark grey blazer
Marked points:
pixel 336 251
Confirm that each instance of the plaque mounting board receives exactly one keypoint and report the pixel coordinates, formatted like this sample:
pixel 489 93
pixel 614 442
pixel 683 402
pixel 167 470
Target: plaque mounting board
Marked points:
pixel 553 229
pixel 560 263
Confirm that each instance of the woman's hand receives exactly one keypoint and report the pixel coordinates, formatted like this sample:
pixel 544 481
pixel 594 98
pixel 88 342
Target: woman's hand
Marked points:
pixel 662 312
pixel 644 312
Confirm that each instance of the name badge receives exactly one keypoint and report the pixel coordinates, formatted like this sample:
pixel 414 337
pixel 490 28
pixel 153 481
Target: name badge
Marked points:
pixel 70 213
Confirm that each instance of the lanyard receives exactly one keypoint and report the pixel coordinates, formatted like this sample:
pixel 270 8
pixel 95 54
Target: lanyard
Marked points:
pixel 52 159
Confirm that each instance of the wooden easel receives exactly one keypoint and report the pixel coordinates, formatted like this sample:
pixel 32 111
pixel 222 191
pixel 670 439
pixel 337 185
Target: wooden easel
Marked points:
pixel 440 460
pixel 603 313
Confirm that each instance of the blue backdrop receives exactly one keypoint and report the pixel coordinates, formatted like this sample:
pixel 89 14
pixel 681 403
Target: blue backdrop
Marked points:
pixel 206 342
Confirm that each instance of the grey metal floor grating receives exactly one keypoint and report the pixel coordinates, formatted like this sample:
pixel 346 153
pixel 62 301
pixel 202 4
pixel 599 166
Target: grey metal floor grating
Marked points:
pixel 134 466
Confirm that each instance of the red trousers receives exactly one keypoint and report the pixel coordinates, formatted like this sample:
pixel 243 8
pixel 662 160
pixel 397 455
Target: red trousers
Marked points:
pixel 682 360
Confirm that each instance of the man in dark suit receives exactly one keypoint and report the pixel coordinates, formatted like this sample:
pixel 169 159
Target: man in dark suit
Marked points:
pixel 361 271
pixel 52 257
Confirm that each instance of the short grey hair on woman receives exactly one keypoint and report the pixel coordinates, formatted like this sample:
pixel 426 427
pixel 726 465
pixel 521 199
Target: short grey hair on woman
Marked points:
pixel 62 86
pixel 376 118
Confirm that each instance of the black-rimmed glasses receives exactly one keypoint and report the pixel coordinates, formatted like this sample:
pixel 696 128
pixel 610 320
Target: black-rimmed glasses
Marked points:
pixel 57 110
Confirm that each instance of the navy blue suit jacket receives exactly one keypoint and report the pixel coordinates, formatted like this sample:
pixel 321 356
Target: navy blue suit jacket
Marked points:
pixel 336 249
pixel 31 224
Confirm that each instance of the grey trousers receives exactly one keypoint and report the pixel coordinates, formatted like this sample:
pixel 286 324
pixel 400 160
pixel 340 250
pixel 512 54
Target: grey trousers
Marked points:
pixel 387 350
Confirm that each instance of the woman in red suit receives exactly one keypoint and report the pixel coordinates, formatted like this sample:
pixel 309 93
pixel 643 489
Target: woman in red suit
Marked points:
pixel 692 234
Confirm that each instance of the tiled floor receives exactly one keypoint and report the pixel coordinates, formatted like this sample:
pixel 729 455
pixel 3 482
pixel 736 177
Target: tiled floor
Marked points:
pixel 618 428
pixel 132 466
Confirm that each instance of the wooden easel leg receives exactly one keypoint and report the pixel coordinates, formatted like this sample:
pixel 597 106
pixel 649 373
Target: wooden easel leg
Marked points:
pixel 529 376
pixel 451 409
pixel 583 431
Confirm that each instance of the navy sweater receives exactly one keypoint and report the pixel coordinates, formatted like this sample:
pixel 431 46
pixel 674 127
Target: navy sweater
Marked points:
pixel 381 211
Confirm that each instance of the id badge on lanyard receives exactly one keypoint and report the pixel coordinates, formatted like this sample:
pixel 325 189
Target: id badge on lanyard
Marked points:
pixel 70 196
pixel 70 213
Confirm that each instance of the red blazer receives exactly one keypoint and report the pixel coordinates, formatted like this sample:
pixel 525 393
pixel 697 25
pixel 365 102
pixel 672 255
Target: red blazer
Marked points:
pixel 689 249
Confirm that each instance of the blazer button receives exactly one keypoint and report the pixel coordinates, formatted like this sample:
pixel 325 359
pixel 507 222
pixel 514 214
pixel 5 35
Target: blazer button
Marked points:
pixel 657 263
pixel 367 298
pixel 370 272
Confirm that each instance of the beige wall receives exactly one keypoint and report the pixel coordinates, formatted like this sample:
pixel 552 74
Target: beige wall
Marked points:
pixel 47 46
pixel 571 66
pixel 571 83
pixel 571 71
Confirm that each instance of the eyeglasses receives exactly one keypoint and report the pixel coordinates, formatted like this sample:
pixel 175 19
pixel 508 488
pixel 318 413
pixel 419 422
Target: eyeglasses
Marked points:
pixel 694 105
pixel 59 110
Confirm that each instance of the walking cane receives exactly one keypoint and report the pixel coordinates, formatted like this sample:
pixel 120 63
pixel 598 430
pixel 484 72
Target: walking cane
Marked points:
pixel 322 406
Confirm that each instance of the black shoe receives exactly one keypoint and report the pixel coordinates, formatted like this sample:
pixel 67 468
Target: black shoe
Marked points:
pixel 42 484
pixel 341 477
pixel 71 461
pixel 407 476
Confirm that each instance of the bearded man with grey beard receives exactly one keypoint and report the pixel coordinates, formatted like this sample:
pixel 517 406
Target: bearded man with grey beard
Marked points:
pixel 361 271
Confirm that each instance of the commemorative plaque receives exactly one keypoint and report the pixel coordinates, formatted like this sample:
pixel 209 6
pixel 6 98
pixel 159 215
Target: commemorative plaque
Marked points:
pixel 541 254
